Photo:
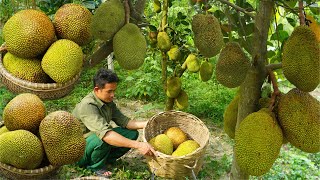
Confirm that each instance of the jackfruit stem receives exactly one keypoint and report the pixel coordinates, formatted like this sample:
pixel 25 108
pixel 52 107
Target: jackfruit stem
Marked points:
pixel 127 11
pixel 276 91
pixel 301 14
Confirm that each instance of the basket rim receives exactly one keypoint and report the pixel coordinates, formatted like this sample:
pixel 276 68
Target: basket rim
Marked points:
pixel 32 85
pixel 162 155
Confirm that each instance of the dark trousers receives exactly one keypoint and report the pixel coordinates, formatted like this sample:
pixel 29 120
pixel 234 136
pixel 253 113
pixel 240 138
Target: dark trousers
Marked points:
pixel 98 153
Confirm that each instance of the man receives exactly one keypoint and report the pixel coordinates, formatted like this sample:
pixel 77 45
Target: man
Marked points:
pixel 104 143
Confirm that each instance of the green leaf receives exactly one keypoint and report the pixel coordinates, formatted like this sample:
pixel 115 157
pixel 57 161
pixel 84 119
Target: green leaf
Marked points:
pixel 280 35
pixel 185 23
pixel 292 22
pixel 315 10
pixel 271 54
pixel 152 28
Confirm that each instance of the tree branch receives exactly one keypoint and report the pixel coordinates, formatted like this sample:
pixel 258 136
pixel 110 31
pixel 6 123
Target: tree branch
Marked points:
pixel 301 15
pixel 127 10
pixel 274 66
pixel 251 14
pixel 276 91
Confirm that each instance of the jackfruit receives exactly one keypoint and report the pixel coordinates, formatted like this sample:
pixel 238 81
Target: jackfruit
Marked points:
pixel 129 47
pixel 185 148
pixel 314 26
pixel 264 102
pixel 174 85
pixel 182 100
pixel 176 135
pixel 191 63
pixel 63 60
pixel 174 53
pixel 206 71
pixel 258 140
pixel 156 6
pixel 28 33
pixel 72 21
pixel 163 144
pixel 163 41
pixel 230 117
pixel 62 138
pixel 300 60
pixel 232 65
pixel 151 141
pixel 108 18
pixel 21 149
pixel 3 130
pixel 25 111
pixel 208 37
pixel 26 69
pixel 299 117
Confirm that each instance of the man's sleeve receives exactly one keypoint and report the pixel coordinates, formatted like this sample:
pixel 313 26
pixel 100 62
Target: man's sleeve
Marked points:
pixel 119 118
pixel 91 118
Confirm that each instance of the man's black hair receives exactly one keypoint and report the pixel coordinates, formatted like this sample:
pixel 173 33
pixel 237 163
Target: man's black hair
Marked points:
pixel 103 77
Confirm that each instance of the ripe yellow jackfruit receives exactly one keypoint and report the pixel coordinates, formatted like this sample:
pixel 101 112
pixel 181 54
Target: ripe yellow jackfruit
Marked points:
pixel 192 63
pixel 174 53
pixel 62 138
pixel 173 87
pixel 25 111
pixel 21 149
pixel 300 60
pixel 314 26
pixel 299 117
pixel 186 147
pixel 108 18
pixel 28 33
pixel 63 60
pixel 206 71
pixel 26 69
pixel 163 41
pixel 3 129
pixel 258 140
pixel 181 100
pixel 230 117
pixel 176 135
pixel 208 37
pixel 72 21
pixel 163 144
pixel 232 65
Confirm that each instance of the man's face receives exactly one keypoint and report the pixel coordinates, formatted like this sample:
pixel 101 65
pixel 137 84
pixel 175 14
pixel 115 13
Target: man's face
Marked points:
pixel 106 94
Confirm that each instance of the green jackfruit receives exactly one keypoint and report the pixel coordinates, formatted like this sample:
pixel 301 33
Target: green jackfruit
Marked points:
pixel 173 87
pixel 258 140
pixel 163 41
pixel 174 53
pixel 25 111
pixel 163 144
pixel 206 71
pixel 182 100
pixel 230 117
pixel 62 138
pixel 185 148
pixel 129 47
pixel 3 129
pixel 63 60
pixel 176 135
pixel 156 6
pixel 107 20
pixel 299 117
pixel 26 69
pixel 232 65
pixel 21 149
pixel 300 60
pixel 208 37
pixel 28 33
pixel 72 21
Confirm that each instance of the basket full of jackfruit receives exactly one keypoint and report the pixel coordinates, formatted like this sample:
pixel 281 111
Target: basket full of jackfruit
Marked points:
pixel 44 56
pixel 34 144
pixel 180 139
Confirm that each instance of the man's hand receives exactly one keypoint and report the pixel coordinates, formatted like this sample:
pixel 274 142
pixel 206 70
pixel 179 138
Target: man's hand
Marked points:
pixel 146 149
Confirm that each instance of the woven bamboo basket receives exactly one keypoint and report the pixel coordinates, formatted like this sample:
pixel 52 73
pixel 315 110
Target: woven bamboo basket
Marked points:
pixel 13 173
pixel 188 165
pixel 43 90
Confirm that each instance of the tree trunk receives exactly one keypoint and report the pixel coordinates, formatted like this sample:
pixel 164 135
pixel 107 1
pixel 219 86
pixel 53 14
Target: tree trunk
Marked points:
pixel 250 89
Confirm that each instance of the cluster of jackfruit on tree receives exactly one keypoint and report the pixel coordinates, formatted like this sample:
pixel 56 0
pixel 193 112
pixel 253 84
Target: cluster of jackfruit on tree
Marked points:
pixel 31 138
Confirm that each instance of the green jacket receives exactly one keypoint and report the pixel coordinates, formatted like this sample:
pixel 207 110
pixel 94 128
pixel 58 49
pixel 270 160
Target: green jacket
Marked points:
pixel 95 115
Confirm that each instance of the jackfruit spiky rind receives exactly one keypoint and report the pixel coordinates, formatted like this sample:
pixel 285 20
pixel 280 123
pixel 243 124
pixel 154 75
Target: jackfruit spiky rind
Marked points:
pixel 182 100
pixel 25 111
pixel 300 60
pixel 72 21
pixel 258 140
pixel 230 117
pixel 208 37
pixel 192 63
pixel 163 143
pixel 206 71
pixel 299 117
pixel 63 60
pixel 176 135
pixel 28 33
pixel 232 65
pixel 174 85
pixel 3 130
pixel 21 149
pixel 186 148
pixel 62 138
pixel 26 69
pixel 129 47
pixel 108 18
pixel 314 26
pixel 163 41
pixel 174 53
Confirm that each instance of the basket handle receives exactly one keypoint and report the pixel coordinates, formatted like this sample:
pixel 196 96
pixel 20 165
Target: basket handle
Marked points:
pixel 192 169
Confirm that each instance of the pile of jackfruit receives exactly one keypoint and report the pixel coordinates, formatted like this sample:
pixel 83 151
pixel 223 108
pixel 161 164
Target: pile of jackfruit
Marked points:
pixel 31 138
pixel 175 142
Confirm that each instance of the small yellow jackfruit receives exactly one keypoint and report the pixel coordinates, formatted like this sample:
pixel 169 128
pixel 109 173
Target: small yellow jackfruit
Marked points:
pixel 174 53
pixel 173 87
pixel 182 100
pixel 163 41
pixel 185 148
pixel 206 71
pixel 163 144
pixel 176 135
pixel 192 63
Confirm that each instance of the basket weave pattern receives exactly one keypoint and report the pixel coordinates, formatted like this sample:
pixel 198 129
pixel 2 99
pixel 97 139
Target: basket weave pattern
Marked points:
pixel 177 167
pixel 43 90
pixel 13 173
